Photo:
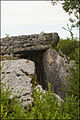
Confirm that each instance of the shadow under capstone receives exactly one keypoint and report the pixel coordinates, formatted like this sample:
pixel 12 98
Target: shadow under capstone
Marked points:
pixel 37 57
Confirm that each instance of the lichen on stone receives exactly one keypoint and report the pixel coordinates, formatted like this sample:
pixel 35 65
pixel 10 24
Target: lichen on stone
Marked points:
pixel 6 57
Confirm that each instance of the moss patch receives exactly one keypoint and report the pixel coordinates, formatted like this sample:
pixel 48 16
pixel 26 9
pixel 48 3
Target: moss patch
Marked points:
pixel 33 81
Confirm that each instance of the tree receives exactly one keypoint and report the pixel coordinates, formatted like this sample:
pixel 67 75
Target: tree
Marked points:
pixel 71 7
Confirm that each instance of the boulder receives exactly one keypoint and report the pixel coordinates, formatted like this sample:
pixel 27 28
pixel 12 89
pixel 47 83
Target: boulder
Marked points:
pixel 55 69
pixel 18 75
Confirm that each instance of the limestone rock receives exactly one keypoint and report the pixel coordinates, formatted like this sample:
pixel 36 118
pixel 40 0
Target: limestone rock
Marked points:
pixel 17 45
pixel 55 70
pixel 18 74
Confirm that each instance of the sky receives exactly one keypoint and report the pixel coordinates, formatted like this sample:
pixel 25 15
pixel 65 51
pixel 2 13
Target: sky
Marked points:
pixel 33 17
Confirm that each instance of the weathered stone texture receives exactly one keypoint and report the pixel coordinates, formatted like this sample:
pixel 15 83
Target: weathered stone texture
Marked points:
pixel 21 44
pixel 19 76
pixel 55 69
pixel 16 73
pixel 50 65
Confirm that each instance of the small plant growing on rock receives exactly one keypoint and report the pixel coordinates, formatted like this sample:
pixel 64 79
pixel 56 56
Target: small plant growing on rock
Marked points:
pixel 42 32
pixel 7 35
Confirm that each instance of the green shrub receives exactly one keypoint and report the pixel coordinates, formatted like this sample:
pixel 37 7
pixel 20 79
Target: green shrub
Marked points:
pixel 46 107
pixel 42 32
pixel 68 47
pixel 76 55
pixel 73 81
pixel 70 108
pixel 7 35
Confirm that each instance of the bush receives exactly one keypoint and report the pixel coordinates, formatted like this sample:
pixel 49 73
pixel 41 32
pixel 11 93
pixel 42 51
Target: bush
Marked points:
pixel 68 47
pixel 73 81
pixel 46 107
pixel 76 55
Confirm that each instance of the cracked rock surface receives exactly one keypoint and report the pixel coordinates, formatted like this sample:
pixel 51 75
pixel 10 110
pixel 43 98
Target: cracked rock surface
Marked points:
pixel 18 80
pixel 55 70
pixel 16 45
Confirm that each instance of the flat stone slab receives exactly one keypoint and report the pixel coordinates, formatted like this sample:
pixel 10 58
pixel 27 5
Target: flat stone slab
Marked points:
pixel 20 44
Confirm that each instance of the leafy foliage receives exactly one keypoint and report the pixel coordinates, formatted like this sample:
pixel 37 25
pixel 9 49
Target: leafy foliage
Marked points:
pixel 7 35
pixel 76 55
pixel 70 6
pixel 46 107
pixel 69 47
pixel 73 81
pixel 42 32
pixel 69 29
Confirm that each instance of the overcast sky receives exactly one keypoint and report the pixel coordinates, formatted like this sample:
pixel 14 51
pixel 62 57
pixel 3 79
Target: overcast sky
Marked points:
pixel 29 17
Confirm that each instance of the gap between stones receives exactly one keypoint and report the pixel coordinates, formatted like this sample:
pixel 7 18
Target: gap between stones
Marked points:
pixel 37 57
